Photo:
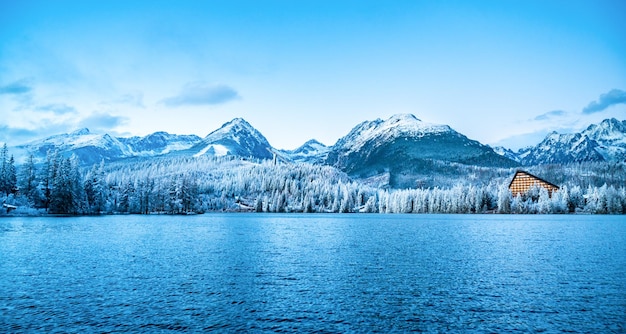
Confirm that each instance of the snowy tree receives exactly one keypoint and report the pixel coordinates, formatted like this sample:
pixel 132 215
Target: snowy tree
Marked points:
pixel 48 177
pixel 544 203
pixel 28 181
pixel 61 201
pixel 184 184
pixel 559 201
pixel 8 177
pixel 95 189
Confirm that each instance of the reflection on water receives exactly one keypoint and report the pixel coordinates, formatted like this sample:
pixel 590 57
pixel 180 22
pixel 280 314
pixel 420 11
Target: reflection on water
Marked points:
pixel 328 273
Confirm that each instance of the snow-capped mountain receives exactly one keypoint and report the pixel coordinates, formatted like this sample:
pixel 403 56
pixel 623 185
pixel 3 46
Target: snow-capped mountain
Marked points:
pixel 158 143
pixel 92 148
pixel 610 135
pixel 506 152
pixel 405 146
pixel 398 148
pixel 88 147
pixel 236 137
pixel 561 148
pixel 605 141
pixel 312 152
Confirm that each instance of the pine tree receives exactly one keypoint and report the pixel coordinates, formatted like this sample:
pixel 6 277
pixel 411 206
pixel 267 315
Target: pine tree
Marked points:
pixel 505 200
pixel 28 180
pixel 48 176
pixel 94 189
pixel 61 200
pixel 11 176
pixel 8 177
pixel 4 169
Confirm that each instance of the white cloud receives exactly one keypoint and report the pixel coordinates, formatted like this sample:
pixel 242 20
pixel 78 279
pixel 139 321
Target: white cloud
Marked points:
pixel 200 93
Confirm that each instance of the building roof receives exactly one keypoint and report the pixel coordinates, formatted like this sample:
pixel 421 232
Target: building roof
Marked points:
pixel 533 176
pixel 523 181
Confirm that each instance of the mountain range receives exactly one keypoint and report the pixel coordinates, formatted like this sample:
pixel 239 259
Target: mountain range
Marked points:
pixel 605 141
pixel 400 149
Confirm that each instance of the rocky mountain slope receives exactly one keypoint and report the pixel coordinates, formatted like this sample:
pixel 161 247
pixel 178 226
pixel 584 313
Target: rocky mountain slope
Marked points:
pixel 237 138
pixel 92 148
pixel 406 148
pixel 401 151
pixel 312 152
pixel 605 141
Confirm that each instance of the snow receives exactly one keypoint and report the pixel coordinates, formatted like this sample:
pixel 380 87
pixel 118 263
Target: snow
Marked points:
pixel 310 148
pixel 608 139
pixel 215 150
pixel 234 130
pixel 78 139
pixel 396 125
pixel 609 131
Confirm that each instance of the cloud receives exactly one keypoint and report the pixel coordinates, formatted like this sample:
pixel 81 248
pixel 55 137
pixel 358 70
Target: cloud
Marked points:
pixel 100 121
pixel 611 98
pixel 17 136
pixel 16 88
pixel 549 115
pixel 14 136
pixel 57 108
pixel 200 93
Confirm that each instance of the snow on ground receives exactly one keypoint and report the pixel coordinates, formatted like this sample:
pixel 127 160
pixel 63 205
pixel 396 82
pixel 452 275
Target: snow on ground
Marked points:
pixel 216 150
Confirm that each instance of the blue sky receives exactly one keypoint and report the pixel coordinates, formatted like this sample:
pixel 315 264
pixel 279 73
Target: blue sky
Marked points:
pixel 501 72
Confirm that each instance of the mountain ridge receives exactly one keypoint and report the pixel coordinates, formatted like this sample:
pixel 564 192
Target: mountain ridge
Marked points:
pixel 605 141
pixel 401 145
pixel 407 149
pixel 235 137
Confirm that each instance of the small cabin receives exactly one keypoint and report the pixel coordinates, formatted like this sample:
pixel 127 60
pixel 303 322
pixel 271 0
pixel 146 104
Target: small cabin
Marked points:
pixel 523 181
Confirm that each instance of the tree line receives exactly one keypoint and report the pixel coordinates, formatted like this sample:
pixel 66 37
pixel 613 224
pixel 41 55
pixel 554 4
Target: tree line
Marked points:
pixel 184 185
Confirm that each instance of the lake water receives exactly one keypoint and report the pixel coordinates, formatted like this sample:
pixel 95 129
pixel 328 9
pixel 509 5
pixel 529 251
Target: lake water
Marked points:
pixel 313 273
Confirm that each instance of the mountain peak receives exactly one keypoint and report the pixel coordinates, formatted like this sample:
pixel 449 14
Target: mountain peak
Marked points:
pixel 80 132
pixel 313 142
pixel 312 151
pixel 397 126
pixel 413 125
pixel 604 141
pixel 234 125
pixel 235 137
pixel 403 117
pixel 310 146
pixel 609 130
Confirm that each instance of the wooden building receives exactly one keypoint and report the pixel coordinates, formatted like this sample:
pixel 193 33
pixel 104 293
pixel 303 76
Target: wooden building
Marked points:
pixel 523 181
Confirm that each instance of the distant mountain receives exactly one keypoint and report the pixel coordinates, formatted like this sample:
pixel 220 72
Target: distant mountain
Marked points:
pixel 88 147
pixel 610 135
pixel 561 148
pixel 506 152
pixel 401 151
pixel 158 143
pixel 405 147
pixel 312 152
pixel 92 148
pixel 237 138
pixel 605 141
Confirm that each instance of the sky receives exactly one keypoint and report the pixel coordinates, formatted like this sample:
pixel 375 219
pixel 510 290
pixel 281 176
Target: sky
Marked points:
pixel 501 72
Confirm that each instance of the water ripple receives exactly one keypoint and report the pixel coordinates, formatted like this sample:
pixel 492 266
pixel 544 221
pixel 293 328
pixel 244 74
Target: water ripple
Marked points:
pixel 313 273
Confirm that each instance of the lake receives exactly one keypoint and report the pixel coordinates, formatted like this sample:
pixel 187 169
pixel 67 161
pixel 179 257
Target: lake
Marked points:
pixel 313 273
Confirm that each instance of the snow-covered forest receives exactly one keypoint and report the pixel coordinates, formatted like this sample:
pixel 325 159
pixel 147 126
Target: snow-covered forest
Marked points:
pixel 185 185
